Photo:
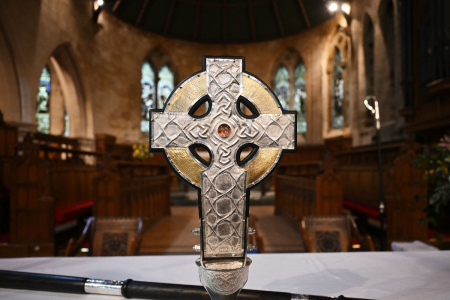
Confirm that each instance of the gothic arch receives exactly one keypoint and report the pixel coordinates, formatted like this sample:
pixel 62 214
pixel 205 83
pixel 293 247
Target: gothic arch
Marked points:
pixel 69 94
pixel 294 86
pixel 290 58
pixel 160 57
pixel 158 79
pixel 10 101
pixel 340 44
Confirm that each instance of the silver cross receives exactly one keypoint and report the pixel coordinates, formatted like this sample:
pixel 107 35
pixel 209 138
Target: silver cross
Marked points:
pixel 224 131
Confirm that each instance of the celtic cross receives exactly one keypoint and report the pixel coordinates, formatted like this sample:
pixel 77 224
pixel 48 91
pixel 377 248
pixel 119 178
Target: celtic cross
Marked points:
pixel 225 180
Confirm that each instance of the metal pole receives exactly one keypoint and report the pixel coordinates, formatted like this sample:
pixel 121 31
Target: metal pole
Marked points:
pixel 376 112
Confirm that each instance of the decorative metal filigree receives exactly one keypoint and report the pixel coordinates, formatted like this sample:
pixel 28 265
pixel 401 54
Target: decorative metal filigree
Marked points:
pixel 223 130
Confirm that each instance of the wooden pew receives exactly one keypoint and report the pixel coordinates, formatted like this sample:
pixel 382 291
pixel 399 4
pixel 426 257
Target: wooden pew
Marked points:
pixel 53 184
pixel 359 170
pixel 32 207
pixel 131 189
pixel 304 189
pixel 49 179
pixel 401 180
pixel 71 174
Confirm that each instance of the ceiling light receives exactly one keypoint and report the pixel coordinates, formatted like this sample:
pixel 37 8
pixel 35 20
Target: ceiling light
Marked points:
pixel 333 7
pixel 97 6
pixel 346 8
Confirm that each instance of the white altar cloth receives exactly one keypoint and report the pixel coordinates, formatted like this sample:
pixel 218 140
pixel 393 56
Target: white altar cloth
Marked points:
pixel 372 275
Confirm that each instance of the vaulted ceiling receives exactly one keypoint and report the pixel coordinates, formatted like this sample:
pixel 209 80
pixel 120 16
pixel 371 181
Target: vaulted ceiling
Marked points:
pixel 221 21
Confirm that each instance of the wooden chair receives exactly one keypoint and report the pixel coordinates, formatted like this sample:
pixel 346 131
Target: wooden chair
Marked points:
pixel 333 234
pixel 109 237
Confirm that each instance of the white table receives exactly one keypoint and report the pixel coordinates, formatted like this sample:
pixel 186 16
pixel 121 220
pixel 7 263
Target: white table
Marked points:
pixel 374 275
pixel 412 246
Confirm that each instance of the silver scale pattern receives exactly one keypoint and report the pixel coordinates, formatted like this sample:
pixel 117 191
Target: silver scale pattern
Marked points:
pixel 223 186
pixel 224 282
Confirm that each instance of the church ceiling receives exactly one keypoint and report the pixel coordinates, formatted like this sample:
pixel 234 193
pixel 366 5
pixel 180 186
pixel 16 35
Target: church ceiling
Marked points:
pixel 221 21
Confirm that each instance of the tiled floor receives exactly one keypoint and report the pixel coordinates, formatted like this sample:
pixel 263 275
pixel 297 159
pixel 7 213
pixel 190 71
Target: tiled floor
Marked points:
pixel 172 234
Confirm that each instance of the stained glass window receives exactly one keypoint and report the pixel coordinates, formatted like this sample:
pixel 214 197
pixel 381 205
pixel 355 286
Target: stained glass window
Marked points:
pixel 337 92
pixel 282 87
pixel 165 85
pixel 43 102
pixel 66 122
pixel 148 94
pixel 300 97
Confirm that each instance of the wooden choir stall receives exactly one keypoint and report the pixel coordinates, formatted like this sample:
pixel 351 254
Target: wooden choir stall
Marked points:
pixel 49 185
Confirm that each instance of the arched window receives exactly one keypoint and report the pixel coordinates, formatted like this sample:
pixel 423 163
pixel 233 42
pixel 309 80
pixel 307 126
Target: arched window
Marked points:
pixel 66 122
pixel 299 96
pixel 338 92
pixel 165 85
pixel 155 91
pixel 282 87
pixel 148 94
pixel 60 107
pixel 337 112
pixel 43 102
pixel 51 109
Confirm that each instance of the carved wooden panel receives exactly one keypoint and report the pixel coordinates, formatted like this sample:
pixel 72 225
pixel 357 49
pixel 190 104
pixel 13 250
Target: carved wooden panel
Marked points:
pixel 72 183
pixel 329 194
pixel 403 210
pixel 359 171
pixel 115 236
pixel 132 190
pixel 299 196
pixel 107 195
pixel 32 207
pixel 327 233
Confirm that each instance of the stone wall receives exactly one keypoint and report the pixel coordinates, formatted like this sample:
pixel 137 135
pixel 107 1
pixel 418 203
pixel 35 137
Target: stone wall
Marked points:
pixel 101 65
pixel 386 72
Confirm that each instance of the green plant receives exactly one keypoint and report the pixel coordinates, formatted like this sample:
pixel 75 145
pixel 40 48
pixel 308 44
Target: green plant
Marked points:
pixel 436 163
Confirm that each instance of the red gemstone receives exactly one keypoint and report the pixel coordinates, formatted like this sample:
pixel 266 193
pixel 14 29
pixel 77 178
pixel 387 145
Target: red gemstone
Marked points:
pixel 224 130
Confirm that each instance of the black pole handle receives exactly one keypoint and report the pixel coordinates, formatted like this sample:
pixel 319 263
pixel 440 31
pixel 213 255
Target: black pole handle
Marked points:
pixel 151 290
pixel 132 289
pixel 154 290
pixel 41 282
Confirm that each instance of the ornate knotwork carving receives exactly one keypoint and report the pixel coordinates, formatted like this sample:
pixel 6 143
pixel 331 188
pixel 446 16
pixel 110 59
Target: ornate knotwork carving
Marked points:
pixel 223 130
pixel 223 184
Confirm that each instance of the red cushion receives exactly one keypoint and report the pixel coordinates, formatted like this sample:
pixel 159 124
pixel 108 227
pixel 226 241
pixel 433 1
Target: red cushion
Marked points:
pixel 4 237
pixel 366 209
pixel 70 212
